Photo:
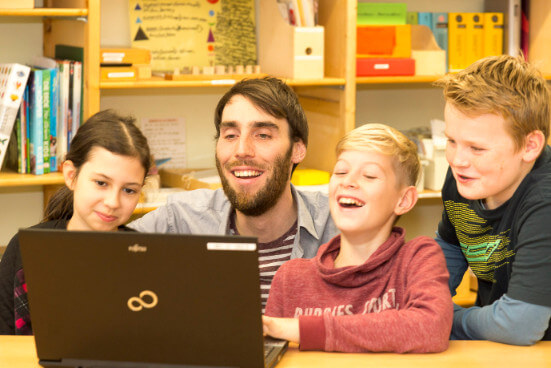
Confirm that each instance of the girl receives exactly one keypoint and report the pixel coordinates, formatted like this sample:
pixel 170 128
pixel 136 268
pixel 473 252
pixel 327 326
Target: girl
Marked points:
pixel 104 172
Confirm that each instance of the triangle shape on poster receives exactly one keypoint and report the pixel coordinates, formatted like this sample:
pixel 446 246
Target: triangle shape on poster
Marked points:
pixel 211 36
pixel 138 21
pixel 140 35
pixel 138 7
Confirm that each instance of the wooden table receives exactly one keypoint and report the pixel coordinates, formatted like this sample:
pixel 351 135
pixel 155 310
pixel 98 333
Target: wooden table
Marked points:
pixel 19 352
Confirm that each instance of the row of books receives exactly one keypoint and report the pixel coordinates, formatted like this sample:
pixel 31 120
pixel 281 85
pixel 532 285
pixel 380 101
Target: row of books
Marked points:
pixel 300 13
pixel 466 37
pixel 49 115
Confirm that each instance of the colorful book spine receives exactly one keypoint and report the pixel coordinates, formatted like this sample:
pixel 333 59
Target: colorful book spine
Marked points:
pixel 457 41
pixel 475 37
pixel 28 128
pixel 46 85
pixel 54 116
pixel 493 34
pixel 63 118
pixel 77 95
pixel 440 30
pixel 412 17
pixel 13 78
pixel 36 124
pixel 425 19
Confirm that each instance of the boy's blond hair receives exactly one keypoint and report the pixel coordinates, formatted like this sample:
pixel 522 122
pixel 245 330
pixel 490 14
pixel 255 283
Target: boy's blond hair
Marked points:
pixel 504 85
pixel 388 141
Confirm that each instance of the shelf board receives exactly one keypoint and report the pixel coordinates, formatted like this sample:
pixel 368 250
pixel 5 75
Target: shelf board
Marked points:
pixel 427 193
pixel 398 80
pixel 45 12
pixel 8 179
pixel 159 82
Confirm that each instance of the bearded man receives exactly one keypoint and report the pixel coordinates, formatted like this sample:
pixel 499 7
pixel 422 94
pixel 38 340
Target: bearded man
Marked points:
pixel 261 136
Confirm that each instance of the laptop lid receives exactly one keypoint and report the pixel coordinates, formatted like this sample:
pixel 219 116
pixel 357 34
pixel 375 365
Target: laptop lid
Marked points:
pixel 167 299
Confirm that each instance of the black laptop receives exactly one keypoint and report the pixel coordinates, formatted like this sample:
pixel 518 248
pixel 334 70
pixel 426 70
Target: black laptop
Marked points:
pixel 127 299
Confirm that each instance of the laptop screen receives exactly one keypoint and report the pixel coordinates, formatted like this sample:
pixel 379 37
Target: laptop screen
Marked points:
pixel 147 298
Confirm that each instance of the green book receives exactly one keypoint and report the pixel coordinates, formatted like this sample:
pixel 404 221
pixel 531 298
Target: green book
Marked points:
pixel 381 13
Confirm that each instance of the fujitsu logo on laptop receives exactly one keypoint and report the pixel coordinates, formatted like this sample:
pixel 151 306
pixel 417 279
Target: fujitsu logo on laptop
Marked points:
pixel 136 248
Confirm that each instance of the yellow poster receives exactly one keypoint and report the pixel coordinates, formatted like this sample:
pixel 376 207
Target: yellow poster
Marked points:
pixel 194 33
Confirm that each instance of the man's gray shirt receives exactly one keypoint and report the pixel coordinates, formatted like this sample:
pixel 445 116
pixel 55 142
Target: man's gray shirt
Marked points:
pixel 205 211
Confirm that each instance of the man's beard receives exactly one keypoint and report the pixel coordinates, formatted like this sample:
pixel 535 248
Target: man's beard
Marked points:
pixel 256 204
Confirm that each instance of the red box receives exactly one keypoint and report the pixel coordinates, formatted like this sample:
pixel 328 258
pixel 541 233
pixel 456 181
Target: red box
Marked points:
pixel 371 67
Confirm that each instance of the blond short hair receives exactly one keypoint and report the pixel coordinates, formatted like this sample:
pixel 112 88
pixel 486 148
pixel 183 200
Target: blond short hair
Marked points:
pixel 503 85
pixel 388 141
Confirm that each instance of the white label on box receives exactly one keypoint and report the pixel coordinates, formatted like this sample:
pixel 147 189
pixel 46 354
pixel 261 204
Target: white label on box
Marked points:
pixel 120 75
pixel 249 247
pixel 113 56
pixel 381 66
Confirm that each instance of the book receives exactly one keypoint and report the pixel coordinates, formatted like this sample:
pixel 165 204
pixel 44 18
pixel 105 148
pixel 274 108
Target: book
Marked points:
pixel 13 78
pixel 36 133
pixel 425 19
pixel 54 116
pixel 63 115
pixel 457 41
pixel 77 97
pixel 412 17
pixel 46 78
pixel 475 37
pixel 371 13
pixel 525 28
pixel 511 10
pixel 440 30
pixel 493 34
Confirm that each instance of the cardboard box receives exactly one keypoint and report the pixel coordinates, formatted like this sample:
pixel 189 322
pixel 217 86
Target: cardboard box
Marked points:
pixel 429 58
pixel 370 67
pixel 540 35
pixel 125 73
pixel 125 56
pixel 383 41
pixel 310 177
pixel 189 179
pixel 435 171
pixel 287 51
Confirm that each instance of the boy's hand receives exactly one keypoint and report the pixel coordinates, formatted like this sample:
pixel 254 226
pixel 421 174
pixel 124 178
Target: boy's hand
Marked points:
pixel 281 328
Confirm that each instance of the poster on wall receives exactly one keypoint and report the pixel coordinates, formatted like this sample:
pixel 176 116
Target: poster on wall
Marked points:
pixel 194 33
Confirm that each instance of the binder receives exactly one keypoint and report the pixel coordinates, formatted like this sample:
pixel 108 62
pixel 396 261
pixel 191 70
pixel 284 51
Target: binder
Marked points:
pixel 412 18
pixel 457 41
pixel 475 37
pixel 511 10
pixel 493 34
pixel 425 19
pixel 440 30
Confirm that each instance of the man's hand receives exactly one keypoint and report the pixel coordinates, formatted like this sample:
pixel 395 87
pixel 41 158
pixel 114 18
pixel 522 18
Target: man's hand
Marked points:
pixel 282 328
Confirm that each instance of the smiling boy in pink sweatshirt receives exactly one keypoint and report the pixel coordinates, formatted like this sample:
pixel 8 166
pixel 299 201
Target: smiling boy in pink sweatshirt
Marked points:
pixel 367 289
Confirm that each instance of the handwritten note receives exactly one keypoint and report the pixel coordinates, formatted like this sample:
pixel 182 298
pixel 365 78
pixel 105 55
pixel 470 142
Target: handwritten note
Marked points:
pixel 194 33
pixel 167 139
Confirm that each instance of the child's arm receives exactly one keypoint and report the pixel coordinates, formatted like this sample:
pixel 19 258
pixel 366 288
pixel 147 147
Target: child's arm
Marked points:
pixel 281 328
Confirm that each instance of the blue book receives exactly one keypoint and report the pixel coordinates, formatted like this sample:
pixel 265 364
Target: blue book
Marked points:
pixel 440 31
pixel 425 18
pixel 54 113
pixel 36 123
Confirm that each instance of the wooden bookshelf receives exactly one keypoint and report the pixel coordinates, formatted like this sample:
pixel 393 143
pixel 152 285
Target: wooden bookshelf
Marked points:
pixel 159 82
pixel 45 12
pixel 8 179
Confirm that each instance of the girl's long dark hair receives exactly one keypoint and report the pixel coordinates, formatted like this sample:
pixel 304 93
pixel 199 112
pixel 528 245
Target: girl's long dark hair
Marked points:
pixel 106 129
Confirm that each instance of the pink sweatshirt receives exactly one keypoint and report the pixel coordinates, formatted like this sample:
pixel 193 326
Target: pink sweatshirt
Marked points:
pixel 397 301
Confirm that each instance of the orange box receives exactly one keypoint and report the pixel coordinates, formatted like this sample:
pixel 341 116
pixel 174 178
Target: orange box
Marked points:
pixel 125 56
pixel 370 67
pixel 382 41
